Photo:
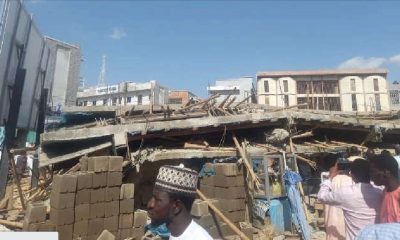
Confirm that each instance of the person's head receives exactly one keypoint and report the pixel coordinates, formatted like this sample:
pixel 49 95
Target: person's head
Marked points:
pixel 173 194
pixel 383 169
pixel 330 161
pixel 353 151
pixel 359 171
pixel 369 154
pixel 397 149
pixel 386 153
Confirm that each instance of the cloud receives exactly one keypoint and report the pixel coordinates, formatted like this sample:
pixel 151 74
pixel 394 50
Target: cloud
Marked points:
pixel 395 59
pixel 118 33
pixel 370 62
pixel 363 62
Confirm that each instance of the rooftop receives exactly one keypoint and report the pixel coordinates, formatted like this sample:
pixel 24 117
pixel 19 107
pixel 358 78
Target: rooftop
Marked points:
pixel 323 72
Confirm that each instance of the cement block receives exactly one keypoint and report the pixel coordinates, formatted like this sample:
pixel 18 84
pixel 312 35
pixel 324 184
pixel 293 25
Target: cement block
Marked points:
pixel 115 164
pixel 96 210
pixel 199 208
pixel 227 169
pixel 106 235
pixel 111 223
pixel 98 164
pixel 126 206
pixel 65 232
pixel 99 180
pixel 82 196
pixel 139 218
pixel 46 226
pixel 62 216
pixel 207 180
pixel 81 228
pixel 84 163
pixel 97 195
pixel 206 221
pixel 96 226
pixel 247 229
pixel 127 191
pixel 64 183
pixel 126 220
pixel 62 200
pixel 228 181
pixel 85 180
pixel 125 233
pixel 235 216
pixel 230 193
pixel 114 179
pixel 82 212
pixel 35 212
pixel 111 208
pixel 209 191
pixel 112 194
pixel 233 205
pixel 138 233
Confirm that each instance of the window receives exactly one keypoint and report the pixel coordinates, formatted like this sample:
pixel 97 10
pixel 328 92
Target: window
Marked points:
pixel 104 102
pixel 354 102
pixel 266 86
pixel 94 103
pixel 376 85
pixel 128 99
pixel 266 99
pixel 285 86
pixel 114 101
pixel 84 103
pixel 378 102
pixel 139 100
pixel 352 85
pixel 175 101
pixel 286 99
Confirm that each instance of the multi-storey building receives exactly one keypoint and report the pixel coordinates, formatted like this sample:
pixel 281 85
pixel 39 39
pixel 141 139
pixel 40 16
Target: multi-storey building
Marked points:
pixel 126 93
pixel 241 88
pixel 181 97
pixel 361 90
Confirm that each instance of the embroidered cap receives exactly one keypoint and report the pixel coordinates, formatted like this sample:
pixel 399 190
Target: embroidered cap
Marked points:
pixel 177 179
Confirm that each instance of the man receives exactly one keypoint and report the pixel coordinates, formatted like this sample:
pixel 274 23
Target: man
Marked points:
pixel 385 231
pixel 172 200
pixel 397 157
pixel 354 154
pixel 334 219
pixel 360 202
pixel 384 172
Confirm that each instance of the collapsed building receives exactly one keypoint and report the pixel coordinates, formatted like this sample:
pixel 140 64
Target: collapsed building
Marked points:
pixel 243 153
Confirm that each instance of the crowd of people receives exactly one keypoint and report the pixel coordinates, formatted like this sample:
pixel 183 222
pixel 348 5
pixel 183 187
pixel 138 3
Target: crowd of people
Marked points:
pixel 362 195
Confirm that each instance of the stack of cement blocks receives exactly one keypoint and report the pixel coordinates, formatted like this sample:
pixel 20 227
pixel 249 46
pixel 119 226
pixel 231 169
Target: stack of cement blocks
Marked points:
pixel 62 203
pixel 104 205
pixel 227 187
pixel 35 218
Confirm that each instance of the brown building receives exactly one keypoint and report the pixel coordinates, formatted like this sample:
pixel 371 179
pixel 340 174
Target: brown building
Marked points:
pixel 180 97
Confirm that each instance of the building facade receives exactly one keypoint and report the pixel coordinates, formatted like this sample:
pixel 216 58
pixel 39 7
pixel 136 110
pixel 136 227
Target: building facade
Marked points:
pixel 63 73
pixel 240 88
pixel 358 90
pixel 181 97
pixel 395 95
pixel 126 93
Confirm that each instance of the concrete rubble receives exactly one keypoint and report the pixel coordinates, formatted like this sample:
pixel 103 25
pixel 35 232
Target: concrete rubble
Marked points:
pixel 96 177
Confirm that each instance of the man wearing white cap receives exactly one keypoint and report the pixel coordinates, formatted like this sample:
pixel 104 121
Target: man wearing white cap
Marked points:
pixel 173 196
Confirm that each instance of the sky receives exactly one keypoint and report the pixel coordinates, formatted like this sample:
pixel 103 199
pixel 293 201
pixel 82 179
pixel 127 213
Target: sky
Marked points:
pixel 191 44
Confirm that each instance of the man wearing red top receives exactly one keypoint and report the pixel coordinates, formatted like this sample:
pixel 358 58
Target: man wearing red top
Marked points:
pixel 384 172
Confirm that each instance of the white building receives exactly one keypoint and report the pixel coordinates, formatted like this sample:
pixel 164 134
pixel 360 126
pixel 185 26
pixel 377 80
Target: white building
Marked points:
pixel 126 93
pixel 237 87
pixel 63 73
pixel 395 95
pixel 361 90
